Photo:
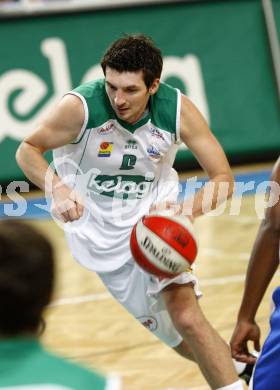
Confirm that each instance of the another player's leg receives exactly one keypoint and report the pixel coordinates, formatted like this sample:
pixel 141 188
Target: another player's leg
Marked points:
pixel 208 348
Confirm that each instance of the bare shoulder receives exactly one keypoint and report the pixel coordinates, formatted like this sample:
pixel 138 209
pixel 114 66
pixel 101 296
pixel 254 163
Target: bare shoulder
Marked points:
pixel 71 101
pixel 61 125
pixel 69 110
pixel 276 171
pixel 192 121
pixel 188 107
pixel 195 133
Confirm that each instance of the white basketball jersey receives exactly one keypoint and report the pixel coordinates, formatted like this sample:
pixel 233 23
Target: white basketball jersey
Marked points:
pixel 120 170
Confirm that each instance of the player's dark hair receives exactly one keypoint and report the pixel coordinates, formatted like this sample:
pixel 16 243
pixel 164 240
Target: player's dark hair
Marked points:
pixel 133 53
pixel 26 277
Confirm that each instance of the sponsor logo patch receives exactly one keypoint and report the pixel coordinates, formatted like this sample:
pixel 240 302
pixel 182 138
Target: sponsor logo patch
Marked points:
pixel 156 133
pixel 131 144
pixel 149 322
pixel 107 128
pixel 153 152
pixel 120 186
pixel 105 149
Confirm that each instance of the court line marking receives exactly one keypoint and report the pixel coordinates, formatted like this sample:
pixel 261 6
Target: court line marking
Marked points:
pixel 81 299
pixel 219 253
pixel 203 282
pixel 105 295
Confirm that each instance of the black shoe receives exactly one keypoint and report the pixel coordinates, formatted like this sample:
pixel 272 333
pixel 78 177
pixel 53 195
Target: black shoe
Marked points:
pixel 247 373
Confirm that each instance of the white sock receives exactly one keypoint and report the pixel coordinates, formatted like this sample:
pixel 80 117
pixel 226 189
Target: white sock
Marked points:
pixel 234 386
pixel 239 366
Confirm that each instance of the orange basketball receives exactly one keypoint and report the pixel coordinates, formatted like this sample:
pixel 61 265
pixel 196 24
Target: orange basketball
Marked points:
pixel 164 245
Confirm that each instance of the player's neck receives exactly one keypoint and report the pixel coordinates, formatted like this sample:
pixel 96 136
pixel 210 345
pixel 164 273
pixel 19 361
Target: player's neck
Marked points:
pixel 142 116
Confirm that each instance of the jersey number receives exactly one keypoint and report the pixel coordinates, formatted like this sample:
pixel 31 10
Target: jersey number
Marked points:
pixel 128 161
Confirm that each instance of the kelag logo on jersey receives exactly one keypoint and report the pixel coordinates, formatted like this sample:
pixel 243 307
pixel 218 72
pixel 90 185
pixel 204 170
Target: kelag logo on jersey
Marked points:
pixel 105 149
pixel 120 186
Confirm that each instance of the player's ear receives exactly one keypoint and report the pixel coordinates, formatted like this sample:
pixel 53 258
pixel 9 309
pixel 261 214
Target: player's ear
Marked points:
pixel 154 87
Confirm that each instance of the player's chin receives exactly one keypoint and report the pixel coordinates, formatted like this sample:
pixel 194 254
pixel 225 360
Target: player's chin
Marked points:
pixel 122 113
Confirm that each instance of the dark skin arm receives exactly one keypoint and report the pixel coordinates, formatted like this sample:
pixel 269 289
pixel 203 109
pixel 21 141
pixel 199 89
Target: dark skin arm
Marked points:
pixel 262 266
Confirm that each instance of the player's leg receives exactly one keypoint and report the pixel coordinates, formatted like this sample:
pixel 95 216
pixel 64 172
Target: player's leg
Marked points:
pixel 184 350
pixel 140 293
pixel 166 330
pixel 243 370
pixel 210 351
pixel 129 285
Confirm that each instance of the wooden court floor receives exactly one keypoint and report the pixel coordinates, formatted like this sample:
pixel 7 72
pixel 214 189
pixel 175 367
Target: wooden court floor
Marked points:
pixel 86 325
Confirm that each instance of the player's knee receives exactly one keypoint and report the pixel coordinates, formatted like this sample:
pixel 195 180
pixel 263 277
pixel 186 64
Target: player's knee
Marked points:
pixel 185 321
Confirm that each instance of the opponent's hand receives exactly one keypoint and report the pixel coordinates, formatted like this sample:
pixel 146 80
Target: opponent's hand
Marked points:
pixel 244 332
pixel 67 205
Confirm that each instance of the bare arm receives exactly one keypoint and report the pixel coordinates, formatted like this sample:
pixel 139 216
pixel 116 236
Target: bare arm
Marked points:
pixel 62 126
pixel 196 134
pixel 263 264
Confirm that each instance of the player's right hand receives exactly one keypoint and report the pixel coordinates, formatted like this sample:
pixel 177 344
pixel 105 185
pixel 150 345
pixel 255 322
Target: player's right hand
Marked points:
pixel 244 332
pixel 67 205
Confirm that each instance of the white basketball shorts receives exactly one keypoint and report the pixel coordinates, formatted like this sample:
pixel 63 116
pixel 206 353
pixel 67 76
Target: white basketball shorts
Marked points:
pixel 139 293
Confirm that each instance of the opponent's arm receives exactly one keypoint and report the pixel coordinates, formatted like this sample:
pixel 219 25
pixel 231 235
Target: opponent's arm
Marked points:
pixel 263 264
pixel 196 134
pixel 61 127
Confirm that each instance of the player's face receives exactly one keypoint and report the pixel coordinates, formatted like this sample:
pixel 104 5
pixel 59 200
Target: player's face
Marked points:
pixel 128 93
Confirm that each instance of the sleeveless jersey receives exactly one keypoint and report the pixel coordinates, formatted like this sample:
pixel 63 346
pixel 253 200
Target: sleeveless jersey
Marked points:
pixel 120 169
pixel 25 365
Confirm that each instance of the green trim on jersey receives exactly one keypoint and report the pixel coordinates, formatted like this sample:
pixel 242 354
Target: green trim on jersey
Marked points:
pixel 25 362
pixel 136 125
pixel 99 107
pixel 162 107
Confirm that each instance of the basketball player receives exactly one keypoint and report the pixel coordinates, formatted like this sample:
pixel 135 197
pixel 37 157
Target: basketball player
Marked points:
pixel 26 284
pixel 262 266
pixel 115 141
